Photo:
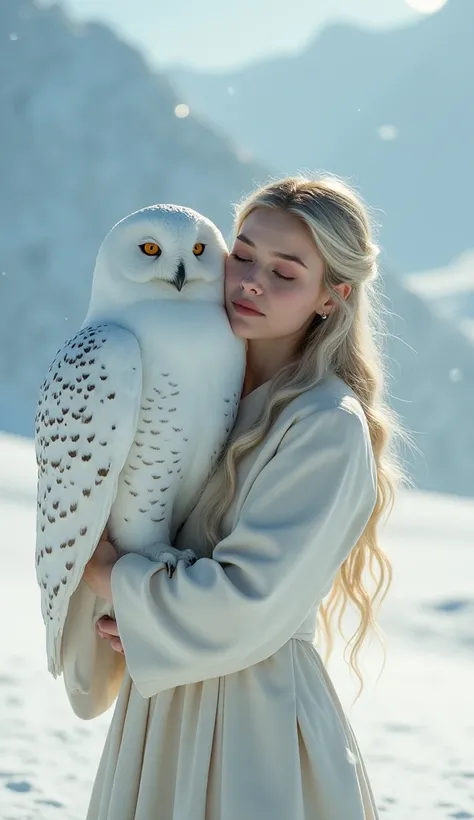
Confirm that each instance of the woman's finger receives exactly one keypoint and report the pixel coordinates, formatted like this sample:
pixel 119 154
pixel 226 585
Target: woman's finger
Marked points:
pixel 107 626
pixel 115 641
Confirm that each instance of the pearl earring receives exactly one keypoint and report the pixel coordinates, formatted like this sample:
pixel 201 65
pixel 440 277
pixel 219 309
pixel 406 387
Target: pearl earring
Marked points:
pixel 324 316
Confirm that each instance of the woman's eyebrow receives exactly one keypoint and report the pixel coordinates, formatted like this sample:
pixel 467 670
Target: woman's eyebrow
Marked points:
pixel 287 256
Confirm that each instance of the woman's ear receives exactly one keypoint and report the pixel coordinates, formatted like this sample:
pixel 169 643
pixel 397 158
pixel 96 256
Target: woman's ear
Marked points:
pixel 344 290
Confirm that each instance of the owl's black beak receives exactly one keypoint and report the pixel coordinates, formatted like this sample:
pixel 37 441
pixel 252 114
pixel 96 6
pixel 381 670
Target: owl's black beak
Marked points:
pixel 180 276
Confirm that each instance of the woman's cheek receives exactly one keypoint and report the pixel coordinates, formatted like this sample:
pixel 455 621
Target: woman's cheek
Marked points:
pixel 229 266
pixel 286 304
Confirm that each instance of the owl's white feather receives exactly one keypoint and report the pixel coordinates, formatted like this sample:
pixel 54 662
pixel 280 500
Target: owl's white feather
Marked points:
pixel 137 406
pixel 85 425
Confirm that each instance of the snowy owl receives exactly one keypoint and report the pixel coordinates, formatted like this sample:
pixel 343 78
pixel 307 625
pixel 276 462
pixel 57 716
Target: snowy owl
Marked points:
pixel 136 407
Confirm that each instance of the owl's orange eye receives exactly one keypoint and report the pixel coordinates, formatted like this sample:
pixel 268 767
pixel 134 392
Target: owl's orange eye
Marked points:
pixel 151 249
pixel 198 249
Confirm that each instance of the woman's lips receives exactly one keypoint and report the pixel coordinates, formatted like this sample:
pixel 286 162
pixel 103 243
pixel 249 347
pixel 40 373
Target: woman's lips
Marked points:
pixel 246 308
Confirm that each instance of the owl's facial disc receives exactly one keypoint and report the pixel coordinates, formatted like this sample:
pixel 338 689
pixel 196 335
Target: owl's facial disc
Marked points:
pixel 154 250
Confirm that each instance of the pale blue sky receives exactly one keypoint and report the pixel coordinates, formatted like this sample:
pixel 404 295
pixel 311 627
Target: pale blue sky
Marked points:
pixel 217 34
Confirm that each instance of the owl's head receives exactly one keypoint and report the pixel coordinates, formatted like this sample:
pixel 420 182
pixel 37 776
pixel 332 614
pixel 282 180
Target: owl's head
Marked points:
pixel 160 252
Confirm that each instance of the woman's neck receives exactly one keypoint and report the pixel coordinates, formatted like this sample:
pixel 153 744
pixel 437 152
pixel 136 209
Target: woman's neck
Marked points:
pixel 265 358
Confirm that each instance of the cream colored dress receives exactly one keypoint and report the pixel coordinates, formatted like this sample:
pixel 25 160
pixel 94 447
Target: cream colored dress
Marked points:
pixel 225 710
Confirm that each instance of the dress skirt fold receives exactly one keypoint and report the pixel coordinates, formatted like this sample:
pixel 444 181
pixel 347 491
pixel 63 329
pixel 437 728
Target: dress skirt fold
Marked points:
pixel 270 742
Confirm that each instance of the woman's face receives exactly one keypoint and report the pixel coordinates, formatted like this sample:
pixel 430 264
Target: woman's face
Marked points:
pixel 275 268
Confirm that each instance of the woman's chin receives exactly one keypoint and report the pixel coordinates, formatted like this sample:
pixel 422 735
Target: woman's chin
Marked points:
pixel 239 329
pixel 241 332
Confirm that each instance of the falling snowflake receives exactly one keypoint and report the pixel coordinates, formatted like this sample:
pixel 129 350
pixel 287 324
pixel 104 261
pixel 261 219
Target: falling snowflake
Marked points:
pixel 455 374
pixel 388 132
pixel 181 111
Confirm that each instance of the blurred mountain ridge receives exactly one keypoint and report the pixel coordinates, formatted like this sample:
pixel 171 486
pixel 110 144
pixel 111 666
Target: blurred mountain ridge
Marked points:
pixel 88 134
pixel 389 110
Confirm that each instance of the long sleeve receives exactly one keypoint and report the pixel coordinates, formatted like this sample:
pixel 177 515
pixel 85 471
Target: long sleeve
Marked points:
pixel 299 521
pixel 92 671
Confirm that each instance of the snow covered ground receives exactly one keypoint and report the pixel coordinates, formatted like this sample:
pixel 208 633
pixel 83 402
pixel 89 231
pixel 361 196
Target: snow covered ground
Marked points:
pixel 415 725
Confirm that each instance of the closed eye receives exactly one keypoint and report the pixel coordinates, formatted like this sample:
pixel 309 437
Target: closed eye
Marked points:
pixel 279 275
pixel 286 278
pixel 240 258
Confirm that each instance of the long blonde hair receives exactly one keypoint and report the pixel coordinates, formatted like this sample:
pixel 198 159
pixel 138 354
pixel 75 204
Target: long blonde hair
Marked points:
pixel 347 343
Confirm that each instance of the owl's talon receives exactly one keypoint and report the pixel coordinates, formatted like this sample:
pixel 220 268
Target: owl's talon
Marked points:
pixel 171 556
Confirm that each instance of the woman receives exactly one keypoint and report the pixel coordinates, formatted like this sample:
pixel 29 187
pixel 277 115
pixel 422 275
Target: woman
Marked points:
pixel 225 709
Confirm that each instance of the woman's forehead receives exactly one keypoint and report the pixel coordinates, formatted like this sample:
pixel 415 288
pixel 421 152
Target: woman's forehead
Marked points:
pixel 278 232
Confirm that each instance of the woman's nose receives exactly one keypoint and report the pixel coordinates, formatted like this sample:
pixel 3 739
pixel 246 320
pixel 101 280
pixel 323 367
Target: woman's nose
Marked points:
pixel 251 286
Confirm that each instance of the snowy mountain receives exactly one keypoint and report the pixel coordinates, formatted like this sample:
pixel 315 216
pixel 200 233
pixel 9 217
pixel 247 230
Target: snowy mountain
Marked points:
pixel 88 134
pixel 391 110
pixel 450 290
pixel 432 388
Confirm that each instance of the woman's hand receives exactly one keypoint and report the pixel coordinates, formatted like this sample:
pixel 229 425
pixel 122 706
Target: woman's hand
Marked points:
pixel 98 571
pixel 107 628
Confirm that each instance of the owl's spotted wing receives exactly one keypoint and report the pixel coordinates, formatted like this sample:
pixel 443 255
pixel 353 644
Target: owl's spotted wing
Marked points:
pixel 85 425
